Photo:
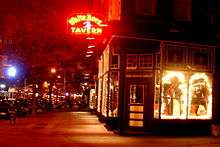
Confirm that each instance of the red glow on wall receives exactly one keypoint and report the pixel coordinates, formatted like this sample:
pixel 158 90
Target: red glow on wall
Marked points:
pixel 85 24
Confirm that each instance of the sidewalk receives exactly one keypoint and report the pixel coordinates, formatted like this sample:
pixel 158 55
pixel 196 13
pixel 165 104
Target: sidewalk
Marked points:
pixel 81 128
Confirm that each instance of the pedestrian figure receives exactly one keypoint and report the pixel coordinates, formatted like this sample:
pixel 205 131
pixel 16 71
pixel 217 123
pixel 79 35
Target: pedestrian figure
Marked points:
pixel 12 114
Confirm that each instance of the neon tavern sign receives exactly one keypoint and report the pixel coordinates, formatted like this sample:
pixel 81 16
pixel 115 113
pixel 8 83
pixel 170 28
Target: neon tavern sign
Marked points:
pixel 85 24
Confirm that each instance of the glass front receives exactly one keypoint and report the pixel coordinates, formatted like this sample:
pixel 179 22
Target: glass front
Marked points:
pixel 99 95
pixel 136 94
pixel 185 95
pixel 200 96
pixel 113 94
pixel 174 95
pixel 157 94
pixel 105 94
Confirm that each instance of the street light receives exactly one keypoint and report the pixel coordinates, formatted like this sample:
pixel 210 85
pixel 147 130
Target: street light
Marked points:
pixel 53 70
pixel 11 72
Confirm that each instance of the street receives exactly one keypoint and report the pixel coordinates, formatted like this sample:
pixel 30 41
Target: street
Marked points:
pixel 81 128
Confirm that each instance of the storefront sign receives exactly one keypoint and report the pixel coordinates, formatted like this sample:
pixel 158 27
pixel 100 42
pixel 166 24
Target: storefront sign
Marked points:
pixel 85 25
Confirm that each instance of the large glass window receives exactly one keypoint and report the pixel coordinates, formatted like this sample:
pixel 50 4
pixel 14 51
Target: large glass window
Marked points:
pixel 105 95
pixel 113 94
pixel 157 94
pixel 136 94
pixel 99 95
pixel 174 95
pixel 185 95
pixel 200 96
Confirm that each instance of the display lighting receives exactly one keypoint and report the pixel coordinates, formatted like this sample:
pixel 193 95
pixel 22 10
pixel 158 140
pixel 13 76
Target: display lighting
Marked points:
pixel 89 52
pixel 46 84
pixel 90 38
pixel 91 46
pixel 186 95
pixel 174 94
pixel 66 94
pixel 88 56
pixel 200 89
pixel 86 74
pixel 53 70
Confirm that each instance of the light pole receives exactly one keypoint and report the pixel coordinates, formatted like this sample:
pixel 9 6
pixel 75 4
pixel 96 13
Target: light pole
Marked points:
pixel 52 71
pixel 64 84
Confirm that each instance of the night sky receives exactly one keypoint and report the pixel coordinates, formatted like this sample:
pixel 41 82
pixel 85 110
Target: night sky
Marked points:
pixel 38 28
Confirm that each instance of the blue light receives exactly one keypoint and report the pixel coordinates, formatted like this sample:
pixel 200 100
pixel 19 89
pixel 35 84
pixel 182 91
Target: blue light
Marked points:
pixel 11 72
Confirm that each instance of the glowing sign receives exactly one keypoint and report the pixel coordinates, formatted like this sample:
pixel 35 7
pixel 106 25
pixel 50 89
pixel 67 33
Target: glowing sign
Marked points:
pixel 85 24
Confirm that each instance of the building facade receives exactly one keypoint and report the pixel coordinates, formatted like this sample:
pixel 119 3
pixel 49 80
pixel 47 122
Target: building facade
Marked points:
pixel 157 71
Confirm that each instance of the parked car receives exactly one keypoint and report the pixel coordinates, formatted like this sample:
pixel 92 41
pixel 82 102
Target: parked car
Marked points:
pixel 23 107
pixel 4 106
pixel 40 105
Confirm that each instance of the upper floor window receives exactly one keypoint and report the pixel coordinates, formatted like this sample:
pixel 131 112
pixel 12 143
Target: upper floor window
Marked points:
pixel 145 7
pixel 139 61
pixel 146 61
pixel 132 62
pixel 115 62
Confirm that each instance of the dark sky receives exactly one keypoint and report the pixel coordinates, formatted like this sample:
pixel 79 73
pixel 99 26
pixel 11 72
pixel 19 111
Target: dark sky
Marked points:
pixel 39 30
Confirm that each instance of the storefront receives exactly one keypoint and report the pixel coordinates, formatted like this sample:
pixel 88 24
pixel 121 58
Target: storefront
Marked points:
pixel 148 85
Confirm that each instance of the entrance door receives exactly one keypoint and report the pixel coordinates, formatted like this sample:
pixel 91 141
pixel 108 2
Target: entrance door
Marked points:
pixel 139 103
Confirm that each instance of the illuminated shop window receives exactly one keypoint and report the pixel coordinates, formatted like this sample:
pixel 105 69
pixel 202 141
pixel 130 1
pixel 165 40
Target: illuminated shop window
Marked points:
pixel 185 95
pixel 146 61
pixel 157 94
pixel 105 95
pixel 132 61
pixel 100 66
pixel 99 95
pixel 174 95
pixel 136 94
pixel 113 94
pixel 106 60
pixel 200 96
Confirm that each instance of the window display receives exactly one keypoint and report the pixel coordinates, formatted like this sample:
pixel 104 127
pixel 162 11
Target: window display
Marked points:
pixel 200 97
pixel 92 99
pixel 105 95
pixel 174 95
pixel 113 94
pixel 99 95
pixel 157 94
pixel 185 95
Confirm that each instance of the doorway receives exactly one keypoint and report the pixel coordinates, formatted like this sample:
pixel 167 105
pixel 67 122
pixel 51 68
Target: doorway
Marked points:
pixel 139 97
